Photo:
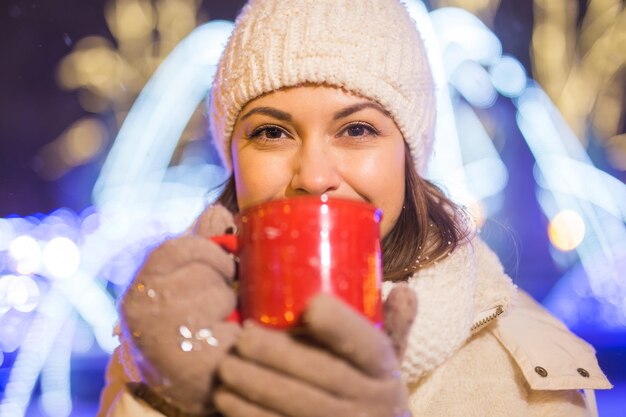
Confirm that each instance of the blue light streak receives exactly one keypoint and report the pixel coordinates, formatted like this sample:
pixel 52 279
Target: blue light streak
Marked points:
pixel 146 141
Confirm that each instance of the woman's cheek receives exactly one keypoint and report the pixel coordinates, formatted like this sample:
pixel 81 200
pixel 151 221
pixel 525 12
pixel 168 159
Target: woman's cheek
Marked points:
pixel 376 178
pixel 259 177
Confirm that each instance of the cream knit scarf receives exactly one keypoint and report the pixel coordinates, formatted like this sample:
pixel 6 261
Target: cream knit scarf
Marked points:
pixel 452 295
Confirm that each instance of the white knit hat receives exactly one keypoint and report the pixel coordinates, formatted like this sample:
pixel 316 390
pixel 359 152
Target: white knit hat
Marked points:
pixel 369 47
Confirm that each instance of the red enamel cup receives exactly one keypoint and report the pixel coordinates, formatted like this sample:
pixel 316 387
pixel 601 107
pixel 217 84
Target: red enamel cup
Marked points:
pixel 291 249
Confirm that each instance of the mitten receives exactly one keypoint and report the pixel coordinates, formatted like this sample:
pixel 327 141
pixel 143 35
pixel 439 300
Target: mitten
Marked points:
pixel 399 313
pixel 174 312
pixel 342 366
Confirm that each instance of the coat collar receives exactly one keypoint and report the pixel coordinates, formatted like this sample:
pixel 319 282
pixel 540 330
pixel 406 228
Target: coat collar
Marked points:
pixel 548 354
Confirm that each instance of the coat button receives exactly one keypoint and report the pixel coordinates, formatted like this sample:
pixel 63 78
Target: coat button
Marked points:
pixel 541 371
pixel 583 372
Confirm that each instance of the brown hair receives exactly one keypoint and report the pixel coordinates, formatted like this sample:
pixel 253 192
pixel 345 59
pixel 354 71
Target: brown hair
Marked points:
pixel 429 227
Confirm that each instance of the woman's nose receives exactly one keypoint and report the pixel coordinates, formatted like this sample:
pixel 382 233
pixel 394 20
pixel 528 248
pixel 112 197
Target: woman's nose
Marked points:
pixel 315 171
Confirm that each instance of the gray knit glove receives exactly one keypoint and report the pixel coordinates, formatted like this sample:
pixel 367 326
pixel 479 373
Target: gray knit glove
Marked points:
pixel 341 366
pixel 174 315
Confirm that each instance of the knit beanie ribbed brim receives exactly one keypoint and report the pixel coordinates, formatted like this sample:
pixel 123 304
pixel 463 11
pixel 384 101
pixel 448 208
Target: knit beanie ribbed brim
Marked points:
pixel 369 47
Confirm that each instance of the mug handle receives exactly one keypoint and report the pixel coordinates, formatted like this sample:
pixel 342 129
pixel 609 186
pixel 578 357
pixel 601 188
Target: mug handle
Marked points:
pixel 227 242
pixel 230 245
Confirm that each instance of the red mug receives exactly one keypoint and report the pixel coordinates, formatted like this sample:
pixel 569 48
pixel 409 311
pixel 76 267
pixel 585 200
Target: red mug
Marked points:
pixel 291 249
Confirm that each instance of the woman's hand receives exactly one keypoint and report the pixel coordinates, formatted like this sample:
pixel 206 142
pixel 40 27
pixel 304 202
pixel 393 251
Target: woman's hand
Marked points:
pixel 174 314
pixel 343 366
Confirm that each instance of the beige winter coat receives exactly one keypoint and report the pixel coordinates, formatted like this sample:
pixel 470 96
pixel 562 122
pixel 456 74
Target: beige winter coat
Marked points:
pixel 478 348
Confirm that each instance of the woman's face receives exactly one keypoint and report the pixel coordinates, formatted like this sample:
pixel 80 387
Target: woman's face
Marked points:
pixel 313 140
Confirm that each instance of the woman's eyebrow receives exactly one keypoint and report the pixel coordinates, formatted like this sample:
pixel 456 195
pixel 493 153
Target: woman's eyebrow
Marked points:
pixel 268 111
pixel 360 106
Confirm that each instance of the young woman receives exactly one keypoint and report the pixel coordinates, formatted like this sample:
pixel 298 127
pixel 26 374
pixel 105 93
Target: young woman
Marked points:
pixel 336 97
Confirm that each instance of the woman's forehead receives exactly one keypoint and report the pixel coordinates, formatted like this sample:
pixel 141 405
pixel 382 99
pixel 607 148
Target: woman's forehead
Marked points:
pixel 311 95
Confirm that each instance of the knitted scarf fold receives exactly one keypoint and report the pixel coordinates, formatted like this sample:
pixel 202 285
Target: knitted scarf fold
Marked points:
pixel 451 295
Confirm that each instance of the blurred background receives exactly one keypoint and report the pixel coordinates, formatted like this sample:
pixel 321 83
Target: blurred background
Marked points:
pixel 104 153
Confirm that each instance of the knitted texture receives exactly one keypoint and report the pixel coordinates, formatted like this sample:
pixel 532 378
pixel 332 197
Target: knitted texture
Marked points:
pixel 368 47
pixel 451 295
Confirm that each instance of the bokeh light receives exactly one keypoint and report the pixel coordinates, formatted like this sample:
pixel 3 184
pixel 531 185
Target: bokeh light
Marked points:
pixel 61 257
pixel 458 27
pixel 130 19
pixel 56 404
pixel 6 234
pixel 508 76
pixel 566 230
pixel 18 292
pixel 83 141
pixel 83 338
pixel 79 144
pixel 473 82
pixel 28 297
pixel 26 254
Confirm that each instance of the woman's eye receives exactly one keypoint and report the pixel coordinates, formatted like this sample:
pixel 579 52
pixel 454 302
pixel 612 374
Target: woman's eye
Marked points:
pixel 268 132
pixel 360 129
